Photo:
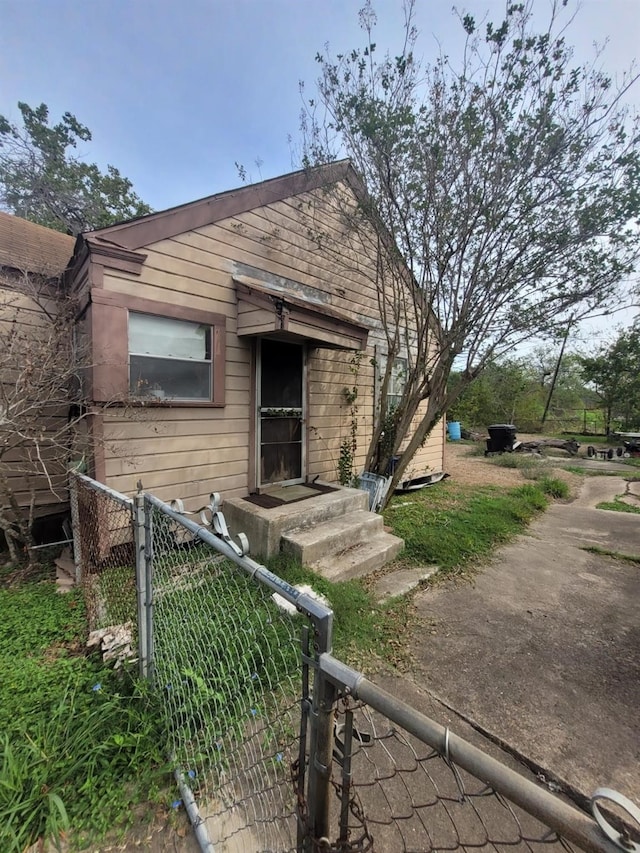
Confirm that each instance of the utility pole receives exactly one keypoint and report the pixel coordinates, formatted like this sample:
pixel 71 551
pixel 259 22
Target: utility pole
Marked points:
pixel 554 378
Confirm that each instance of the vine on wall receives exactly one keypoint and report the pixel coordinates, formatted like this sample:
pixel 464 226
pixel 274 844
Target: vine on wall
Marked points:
pixel 349 444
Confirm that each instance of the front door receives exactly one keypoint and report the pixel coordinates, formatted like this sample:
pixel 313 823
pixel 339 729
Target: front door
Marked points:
pixel 280 393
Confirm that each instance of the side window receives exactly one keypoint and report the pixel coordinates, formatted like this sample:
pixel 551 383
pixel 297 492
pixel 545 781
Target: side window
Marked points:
pixel 170 359
pixel 397 381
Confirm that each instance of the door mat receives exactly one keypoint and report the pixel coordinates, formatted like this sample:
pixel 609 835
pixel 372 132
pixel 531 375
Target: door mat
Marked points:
pixel 268 501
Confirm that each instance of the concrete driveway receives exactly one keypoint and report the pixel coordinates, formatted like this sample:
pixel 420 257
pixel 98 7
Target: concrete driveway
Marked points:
pixel 542 650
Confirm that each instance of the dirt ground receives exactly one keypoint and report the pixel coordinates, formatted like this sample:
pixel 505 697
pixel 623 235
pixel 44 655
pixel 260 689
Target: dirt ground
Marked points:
pixel 464 466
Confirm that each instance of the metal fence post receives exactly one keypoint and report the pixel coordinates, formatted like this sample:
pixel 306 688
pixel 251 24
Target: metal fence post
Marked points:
pixel 75 525
pixel 321 741
pixel 140 539
pixel 147 555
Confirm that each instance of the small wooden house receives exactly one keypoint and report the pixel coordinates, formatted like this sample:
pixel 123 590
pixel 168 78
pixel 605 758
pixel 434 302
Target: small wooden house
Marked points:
pixel 223 334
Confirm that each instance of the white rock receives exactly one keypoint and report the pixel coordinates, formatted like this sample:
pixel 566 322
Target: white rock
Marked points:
pixel 303 588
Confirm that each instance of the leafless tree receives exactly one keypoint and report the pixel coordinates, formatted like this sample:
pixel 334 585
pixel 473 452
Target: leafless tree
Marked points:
pixel 40 410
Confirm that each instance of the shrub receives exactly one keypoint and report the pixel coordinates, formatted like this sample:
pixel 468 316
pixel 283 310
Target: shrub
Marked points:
pixel 554 487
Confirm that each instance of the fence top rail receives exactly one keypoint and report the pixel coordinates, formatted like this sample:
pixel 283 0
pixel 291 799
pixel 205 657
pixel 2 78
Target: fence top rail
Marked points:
pixel 319 613
pixel 568 821
pixel 100 487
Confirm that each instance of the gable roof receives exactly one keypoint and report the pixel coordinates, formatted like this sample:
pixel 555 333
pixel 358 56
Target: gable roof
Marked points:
pixel 32 248
pixel 136 233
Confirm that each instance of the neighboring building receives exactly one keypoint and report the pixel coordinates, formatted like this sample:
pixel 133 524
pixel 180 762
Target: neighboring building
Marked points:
pixel 229 327
pixel 32 259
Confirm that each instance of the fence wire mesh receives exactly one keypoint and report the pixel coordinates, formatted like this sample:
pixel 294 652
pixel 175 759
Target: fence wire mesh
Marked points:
pixel 226 662
pixel 395 793
pixel 104 544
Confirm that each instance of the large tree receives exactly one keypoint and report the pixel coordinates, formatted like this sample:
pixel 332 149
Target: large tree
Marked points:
pixel 42 178
pixel 506 185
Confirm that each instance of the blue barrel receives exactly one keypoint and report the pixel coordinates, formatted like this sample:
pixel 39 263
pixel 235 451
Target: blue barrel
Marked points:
pixel 454 430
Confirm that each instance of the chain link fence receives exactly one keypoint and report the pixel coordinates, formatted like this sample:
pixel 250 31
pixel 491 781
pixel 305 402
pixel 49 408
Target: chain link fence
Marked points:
pixel 226 662
pixel 276 745
pixel 104 552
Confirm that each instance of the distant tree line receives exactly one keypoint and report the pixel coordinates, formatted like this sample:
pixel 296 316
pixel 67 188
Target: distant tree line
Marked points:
pixel 593 394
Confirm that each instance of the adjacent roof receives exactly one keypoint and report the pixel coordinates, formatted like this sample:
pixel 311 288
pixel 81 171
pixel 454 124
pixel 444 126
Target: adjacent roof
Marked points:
pixel 32 248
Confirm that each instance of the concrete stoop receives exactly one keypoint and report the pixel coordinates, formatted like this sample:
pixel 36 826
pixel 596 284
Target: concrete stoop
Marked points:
pixel 359 559
pixel 334 533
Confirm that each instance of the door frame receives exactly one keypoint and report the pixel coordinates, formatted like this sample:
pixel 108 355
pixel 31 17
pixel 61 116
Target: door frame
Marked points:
pixel 257 423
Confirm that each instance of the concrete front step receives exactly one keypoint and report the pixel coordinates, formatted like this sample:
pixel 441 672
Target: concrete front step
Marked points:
pixel 401 582
pixel 265 528
pixel 359 560
pixel 308 545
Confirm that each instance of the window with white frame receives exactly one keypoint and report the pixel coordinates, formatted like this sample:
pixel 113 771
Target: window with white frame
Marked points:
pixel 169 359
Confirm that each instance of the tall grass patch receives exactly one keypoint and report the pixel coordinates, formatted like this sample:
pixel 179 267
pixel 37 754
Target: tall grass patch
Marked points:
pixel 80 744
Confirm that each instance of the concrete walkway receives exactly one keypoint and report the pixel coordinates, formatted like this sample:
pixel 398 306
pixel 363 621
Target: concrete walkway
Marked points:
pixel 543 649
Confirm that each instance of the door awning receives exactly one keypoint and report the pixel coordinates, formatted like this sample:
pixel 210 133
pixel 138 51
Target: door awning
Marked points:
pixel 266 312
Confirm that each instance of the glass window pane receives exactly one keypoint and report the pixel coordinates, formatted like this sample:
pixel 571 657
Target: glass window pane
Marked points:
pixel 162 336
pixel 281 385
pixel 398 377
pixel 162 379
pixel 276 430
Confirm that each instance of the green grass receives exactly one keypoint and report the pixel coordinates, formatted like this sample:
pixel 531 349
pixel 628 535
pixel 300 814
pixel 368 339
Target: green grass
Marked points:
pixel 80 744
pixel 584 440
pixel 589 472
pixel 605 552
pixel 554 487
pixel 362 628
pixel 452 525
pixel 616 505
pixel 531 465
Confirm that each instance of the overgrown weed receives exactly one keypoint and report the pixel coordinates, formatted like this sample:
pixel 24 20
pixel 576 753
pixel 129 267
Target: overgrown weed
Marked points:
pixel 80 743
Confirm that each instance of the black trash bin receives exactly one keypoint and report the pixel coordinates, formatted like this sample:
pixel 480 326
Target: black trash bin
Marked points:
pixel 502 437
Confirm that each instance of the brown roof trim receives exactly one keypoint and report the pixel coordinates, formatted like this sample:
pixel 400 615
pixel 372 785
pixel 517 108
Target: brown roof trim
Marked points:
pixel 177 220
pixel 113 256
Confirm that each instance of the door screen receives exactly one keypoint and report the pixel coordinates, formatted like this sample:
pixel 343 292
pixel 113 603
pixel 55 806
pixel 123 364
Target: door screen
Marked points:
pixel 280 412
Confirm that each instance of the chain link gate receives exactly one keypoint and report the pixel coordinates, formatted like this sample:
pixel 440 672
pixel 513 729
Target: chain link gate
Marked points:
pixel 226 660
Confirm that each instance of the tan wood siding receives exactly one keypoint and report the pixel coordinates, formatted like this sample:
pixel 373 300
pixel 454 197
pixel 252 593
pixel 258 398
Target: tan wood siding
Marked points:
pixel 183 451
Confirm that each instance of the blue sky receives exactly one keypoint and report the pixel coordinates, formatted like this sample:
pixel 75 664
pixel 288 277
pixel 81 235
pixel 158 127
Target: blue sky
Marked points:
pixel 176 91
